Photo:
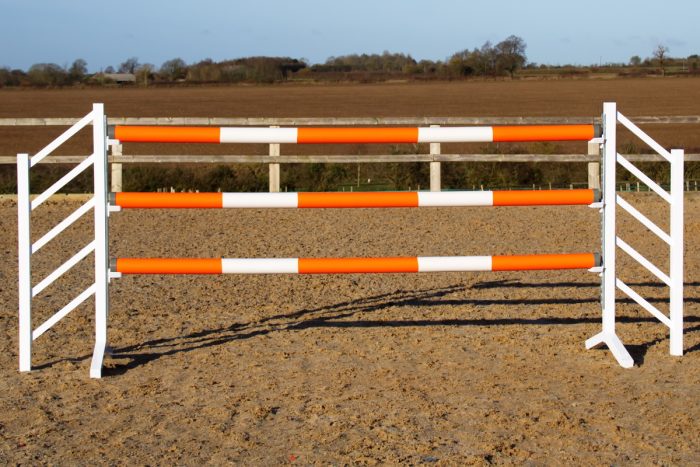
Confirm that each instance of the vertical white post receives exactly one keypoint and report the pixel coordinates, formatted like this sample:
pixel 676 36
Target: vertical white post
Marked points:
pixel 609 204
pixel 117 173
pixel 676 266
pixel 274 177
pixel 99 136
pixel 608 336
pixel 435 169
pixel 24 210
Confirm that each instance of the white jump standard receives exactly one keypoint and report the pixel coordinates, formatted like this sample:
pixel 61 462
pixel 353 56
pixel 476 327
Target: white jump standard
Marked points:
pixel 102 204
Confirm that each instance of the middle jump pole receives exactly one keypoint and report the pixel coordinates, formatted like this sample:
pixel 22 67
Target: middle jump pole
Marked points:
pixel 353 265
pixel 355 199
pixel 353 135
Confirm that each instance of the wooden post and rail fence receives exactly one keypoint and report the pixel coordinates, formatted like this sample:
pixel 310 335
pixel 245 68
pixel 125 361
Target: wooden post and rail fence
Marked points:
pixel 274 158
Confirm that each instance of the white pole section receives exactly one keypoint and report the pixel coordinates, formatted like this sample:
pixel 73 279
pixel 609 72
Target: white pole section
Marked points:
pixel 676 269
pixel 25 256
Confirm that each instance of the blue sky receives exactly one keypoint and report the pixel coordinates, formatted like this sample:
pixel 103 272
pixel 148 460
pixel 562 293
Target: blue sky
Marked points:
pixel 556 32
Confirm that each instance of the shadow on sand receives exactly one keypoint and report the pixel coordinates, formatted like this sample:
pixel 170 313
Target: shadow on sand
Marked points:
pixel 355 314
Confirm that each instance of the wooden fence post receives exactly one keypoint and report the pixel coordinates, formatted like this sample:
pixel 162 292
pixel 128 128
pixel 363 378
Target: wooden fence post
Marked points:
pixel 594 167
pixel 274 168
pixel 435 169
pixel 116 150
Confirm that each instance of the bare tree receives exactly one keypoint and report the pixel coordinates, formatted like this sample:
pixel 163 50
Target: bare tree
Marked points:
pixel 485 57
pixel 47 74
pixel 660 53
pixel 143 73
pixel 129 66
pixel 511 54
pixel 77 71
pixel 174 69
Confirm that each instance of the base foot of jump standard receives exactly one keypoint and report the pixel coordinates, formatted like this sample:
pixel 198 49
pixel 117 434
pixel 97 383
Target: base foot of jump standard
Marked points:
pixel 614 344
pixel 103 203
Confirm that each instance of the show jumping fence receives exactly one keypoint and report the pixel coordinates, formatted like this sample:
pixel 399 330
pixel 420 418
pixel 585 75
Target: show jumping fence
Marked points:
pixel 102 203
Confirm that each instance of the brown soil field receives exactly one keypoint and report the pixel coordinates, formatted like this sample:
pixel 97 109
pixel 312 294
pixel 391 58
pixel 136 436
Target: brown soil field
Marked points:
pixel 446 368
pixel 573 98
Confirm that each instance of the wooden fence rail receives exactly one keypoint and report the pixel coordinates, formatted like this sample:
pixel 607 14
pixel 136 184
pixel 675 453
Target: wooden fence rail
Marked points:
pixel 300 121
pixel 274 161
pixel 341 159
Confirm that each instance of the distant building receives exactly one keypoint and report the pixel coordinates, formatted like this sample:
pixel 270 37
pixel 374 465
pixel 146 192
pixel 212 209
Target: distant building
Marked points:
pixel 120 78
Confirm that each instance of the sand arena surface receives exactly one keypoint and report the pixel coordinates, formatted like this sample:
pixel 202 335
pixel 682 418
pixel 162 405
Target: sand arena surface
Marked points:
pixel 444 368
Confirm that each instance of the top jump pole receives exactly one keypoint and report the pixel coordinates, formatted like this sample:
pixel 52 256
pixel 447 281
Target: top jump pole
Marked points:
pixel 355 200
pixel 351 135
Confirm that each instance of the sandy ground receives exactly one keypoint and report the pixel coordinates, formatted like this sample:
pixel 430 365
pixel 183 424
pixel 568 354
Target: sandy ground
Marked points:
pixel 440 368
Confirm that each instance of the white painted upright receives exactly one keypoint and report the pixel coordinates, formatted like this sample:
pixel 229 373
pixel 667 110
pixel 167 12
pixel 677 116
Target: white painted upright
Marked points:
pixel 99 135
pixel 609 215
pixel 25 257
pixel 676 263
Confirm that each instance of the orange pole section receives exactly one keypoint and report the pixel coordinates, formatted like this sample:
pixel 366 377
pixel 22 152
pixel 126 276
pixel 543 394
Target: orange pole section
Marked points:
pixel 543 197
pixel 532 262
pixel 358 200
pixel 169 200
pixel 543 133
pixel 166 134
pixel 356 135
pixel 356 265
pixel 169 266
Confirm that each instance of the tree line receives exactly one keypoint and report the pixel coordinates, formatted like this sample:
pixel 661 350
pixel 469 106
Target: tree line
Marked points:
pixel 506 58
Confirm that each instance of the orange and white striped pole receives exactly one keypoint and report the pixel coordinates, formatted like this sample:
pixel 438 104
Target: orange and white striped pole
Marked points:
pixel 353 265
pixel 355 199
pixel 345 135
